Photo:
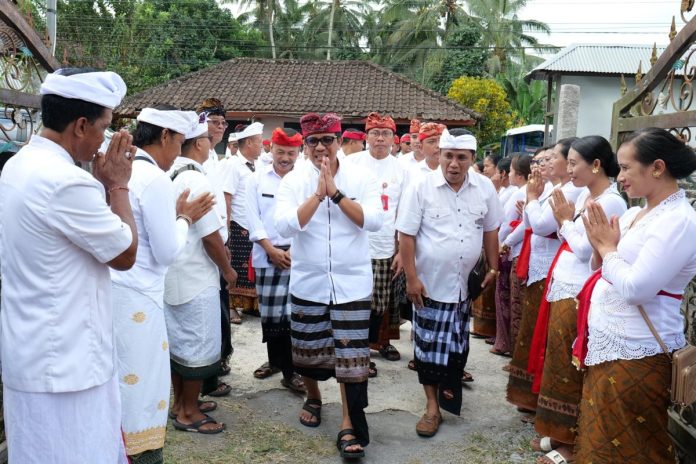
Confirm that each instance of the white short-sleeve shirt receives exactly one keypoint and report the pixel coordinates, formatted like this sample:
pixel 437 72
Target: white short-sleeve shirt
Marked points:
pixel 57 234
pixel 193 271
pixel 235 171
pixel 448 227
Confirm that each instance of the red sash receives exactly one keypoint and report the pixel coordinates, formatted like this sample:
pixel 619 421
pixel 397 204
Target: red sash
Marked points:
pixel 537 352
pixel 515 223
pixel 522 269
pixel 580 344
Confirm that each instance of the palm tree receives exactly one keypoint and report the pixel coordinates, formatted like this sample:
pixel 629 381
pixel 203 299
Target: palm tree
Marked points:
pixel 504 32
pixel 263 13
pixel 338 22
pixel 416 31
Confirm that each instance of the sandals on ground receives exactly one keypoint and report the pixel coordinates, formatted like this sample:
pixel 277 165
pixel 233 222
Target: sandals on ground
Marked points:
pixel 343 444
pixel 372 370
pixel 295 384
pixel 390 353
pixel 555 457
pixel 265 371
pixel 203 406
pixel 467 377
pixel 222 390
pixel 412 364
pixel 312 406
pixel 235 318
pixel 541 444
pixel 196 426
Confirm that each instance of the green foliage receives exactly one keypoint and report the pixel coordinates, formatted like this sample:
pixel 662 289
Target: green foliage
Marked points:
pixel 461 58
pixel 527 99
pixel 488 98
pixel 150 42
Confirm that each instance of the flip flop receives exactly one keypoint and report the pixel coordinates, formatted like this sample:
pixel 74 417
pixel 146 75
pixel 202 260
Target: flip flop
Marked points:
pixel 196 426
pixel 541 444
pixel 212 406
pixel 467 377
pixel 412 365
pixel 555 457
pixel 222 390
pixel 390 353
pixel 372 370
pixel 343 444
pixel 235 318
pixel 295 384
pixel 489 341
pixel 312 406
pixel 265 371
pixel 499 353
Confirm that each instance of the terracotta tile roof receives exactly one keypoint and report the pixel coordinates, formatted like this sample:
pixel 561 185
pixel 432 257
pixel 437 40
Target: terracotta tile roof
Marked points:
pixel 290 88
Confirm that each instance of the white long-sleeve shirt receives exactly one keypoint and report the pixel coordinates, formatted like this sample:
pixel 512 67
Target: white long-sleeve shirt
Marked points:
pixel 161 237
pixel 658 253
pixel 261 193
pixel 331 255
pixel 57 234
pixel 539 216
pixel 572 268
pixel 508 235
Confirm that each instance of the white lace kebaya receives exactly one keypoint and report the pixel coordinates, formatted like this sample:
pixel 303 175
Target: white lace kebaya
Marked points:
pixel 572 269
pixel 657 254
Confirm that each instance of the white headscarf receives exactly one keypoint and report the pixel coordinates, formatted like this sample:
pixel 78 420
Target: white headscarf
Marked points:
pixel 181 122
pixel 101 88
pixel 459 142
pixel 200 128
pixel 252 129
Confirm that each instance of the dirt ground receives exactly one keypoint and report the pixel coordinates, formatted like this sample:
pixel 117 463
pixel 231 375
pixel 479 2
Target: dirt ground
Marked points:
pixel 262 424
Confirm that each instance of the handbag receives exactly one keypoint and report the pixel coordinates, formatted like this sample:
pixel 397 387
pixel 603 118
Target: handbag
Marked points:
pixel 683 391
pixel 476 276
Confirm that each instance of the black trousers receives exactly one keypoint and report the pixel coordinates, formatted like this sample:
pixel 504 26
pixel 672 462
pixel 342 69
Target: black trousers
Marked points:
pixel 280 354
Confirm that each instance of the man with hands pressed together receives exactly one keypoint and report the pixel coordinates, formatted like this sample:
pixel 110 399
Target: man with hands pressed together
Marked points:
pixel 327 208
pixel 443 221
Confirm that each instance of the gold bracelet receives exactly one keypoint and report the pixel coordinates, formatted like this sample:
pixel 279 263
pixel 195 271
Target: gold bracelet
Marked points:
pixel 117 188
pixel 185 218
pixel 495 272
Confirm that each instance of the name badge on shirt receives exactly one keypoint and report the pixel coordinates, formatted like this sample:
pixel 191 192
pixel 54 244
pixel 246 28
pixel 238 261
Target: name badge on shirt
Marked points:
pixel 267 195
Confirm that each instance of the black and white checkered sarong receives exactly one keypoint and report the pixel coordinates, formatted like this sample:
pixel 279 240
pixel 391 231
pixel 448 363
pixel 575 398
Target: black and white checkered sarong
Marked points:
pixel 272 286
pixel 440 329
pixel 381 285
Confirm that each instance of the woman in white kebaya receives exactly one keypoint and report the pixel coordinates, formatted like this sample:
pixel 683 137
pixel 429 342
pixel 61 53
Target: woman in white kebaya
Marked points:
pixel 646 260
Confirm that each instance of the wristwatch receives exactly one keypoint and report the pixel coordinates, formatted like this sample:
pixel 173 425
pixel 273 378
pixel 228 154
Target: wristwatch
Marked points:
pixel 337 197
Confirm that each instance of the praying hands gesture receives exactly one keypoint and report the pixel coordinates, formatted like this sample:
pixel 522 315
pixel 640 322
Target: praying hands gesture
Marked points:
pixel 563 210
pixel 113 168
pixel 535 185
pixel 603 233
pixel 326 186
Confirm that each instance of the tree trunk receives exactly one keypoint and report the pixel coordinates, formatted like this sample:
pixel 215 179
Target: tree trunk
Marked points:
pixel 270 32
pixel 334 4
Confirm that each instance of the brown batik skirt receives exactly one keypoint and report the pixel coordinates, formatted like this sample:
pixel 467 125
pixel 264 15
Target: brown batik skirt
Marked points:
pixel 561 384
pixel 503 342
pixel 519 388
pixel 623 413
pixel 483 311
pixel 517 292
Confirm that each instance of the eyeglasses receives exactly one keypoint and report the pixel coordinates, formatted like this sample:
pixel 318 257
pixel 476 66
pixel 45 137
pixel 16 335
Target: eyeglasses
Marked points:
pixel 326 140
pixel 384 134
pixel 407 143
pixel 218 122
pixel 539 162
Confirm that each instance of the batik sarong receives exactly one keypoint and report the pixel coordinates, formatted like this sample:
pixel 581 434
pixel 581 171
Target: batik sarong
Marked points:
pixel 623 413
pixel 519 388
pixel 441 341
pixel 561 384
pixel 243 294
pixel 272 286
pixel 483 313
pixel 503 341
pixel 331 340
pixel 517 296
pixel 143 368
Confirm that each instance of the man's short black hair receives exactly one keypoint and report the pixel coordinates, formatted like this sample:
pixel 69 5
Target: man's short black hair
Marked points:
pixel 149 134
pixel 459 131
pixel 57 112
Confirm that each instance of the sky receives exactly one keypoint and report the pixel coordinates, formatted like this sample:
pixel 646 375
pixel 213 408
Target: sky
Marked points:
pixel 637 22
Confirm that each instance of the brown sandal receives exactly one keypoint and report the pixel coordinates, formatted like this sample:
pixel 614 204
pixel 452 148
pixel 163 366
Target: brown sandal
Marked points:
pixel 265 371
pixel 235 318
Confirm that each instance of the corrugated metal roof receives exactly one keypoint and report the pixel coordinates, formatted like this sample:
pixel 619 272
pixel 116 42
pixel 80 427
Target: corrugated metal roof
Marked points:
pixel 596 59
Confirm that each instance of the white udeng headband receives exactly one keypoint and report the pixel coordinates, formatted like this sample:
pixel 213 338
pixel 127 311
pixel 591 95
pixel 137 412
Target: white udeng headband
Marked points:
pixel 460 142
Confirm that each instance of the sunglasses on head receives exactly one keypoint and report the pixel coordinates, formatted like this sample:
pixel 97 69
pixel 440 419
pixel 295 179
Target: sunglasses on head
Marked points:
pixel 326 140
